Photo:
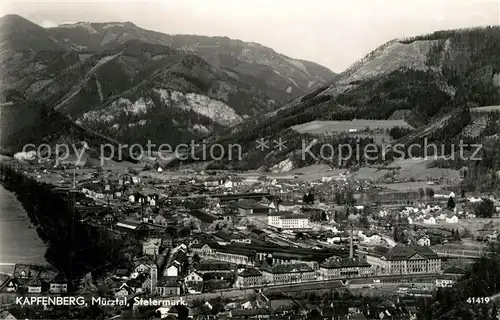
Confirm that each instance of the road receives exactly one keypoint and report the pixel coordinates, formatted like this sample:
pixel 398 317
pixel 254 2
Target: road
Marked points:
pixel 378 289
pixel 357 284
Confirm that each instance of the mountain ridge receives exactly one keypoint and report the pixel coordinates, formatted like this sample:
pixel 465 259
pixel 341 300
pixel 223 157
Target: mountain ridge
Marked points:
pixel 87 83
pixel 421 79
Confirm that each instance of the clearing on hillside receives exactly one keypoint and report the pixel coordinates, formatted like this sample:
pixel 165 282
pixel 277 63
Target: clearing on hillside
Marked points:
pixel 356 125
pixel 486 109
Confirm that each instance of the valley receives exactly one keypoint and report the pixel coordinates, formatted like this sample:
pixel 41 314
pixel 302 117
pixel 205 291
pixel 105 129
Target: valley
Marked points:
pixel 380 182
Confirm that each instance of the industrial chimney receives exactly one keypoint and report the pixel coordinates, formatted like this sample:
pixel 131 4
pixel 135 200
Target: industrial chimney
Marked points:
pixel 351 253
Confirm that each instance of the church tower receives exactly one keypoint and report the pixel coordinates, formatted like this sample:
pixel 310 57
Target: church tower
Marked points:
pixel 154 276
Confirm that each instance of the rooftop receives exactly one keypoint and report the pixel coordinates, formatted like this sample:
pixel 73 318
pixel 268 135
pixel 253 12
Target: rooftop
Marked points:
pixel 344 263
pixel 289 215
pixel 250 272
pixel 247 204
pixel 401 252
pixel 287 268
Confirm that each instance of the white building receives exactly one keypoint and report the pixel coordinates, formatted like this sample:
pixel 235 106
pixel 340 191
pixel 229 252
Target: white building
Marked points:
pixel 451 218
pixel 193 277
pixel 406 260
pixel 444 282
pixel 151 247
pixel 429 220
pixel 336 268
pixel 288 220
pixel 171 271
pixel 424 241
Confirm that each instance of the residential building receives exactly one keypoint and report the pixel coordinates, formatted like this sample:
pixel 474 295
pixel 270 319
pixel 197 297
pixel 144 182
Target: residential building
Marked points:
pixel 288 220
pixel 168 286
pixel 152 199
pixel 193 277
pixel 214 182
pixel 258 313
pixel 287 206
pixel 406 260
pixel 444 281
pixel 124 291
pixel 9 286
pixel 429 220
pixel 249 277
pixel 35 286
pixel 451 218
pixel 214 267
pixel 424 241
pixel 226 253
pixel 336 268
pixel 151 247
pixel 233 182
pixel 171 271
pixel 59 284
pixel 287 273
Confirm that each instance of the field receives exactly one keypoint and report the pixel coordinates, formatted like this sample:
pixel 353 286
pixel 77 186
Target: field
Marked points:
pixel 411 186
pixel 473 225
pixel 415 169
pixel 486 109
pixel 322 127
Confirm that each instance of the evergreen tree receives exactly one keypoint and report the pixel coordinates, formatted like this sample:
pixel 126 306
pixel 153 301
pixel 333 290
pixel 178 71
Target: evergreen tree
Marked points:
pixel 451 203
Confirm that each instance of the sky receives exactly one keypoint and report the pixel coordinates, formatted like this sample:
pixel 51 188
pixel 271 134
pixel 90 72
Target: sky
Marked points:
pixel 334 33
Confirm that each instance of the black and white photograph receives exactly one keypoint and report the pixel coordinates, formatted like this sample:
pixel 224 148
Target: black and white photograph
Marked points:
pixel 231 159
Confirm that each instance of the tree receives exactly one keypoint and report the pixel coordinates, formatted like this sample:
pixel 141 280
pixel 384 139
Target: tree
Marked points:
pixel 323 216
pixel 421 192
pixel 191 224
pixel 350 198
pixel 451 203
pixel 338 198
pixel 160 220
pixel 481 279
pixel 429 192
pixel 308 198
pixel 484 209
pixel 396 234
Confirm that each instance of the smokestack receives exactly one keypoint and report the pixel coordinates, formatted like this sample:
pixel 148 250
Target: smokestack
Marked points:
pixel 351 253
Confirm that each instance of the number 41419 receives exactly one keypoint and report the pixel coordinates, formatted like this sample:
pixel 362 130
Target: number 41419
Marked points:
pixel 478 300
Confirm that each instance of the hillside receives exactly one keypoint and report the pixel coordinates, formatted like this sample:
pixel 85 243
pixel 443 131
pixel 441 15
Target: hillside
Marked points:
pixel 429 81
pixel 243 58
pixel 43 125
pixel 124 82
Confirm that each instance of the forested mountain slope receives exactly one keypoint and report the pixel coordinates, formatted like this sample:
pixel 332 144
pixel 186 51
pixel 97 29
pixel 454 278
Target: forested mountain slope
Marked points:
pixel 424 80
pixel 124 82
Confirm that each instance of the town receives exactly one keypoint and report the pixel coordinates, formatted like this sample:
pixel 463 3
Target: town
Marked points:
pixel 267 246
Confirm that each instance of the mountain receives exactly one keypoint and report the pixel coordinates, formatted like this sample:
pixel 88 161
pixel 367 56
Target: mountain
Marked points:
pixel 19 34
pixel 436 83
pixel 278 71
pixel 124 82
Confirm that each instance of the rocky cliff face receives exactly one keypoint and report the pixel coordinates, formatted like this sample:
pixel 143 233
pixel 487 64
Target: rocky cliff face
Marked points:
pixel 136 85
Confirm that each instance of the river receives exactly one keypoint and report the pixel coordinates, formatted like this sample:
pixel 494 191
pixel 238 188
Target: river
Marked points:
pixel 19 243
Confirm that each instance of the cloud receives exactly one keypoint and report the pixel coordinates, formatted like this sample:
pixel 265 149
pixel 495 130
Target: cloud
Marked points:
pixel 48 24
